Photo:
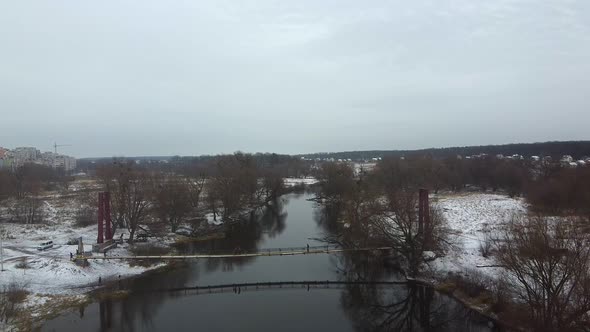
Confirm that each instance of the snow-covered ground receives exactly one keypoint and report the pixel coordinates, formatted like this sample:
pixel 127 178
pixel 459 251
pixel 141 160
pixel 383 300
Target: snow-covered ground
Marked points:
pixel 469 217
pixel 50 274
pixel 292 182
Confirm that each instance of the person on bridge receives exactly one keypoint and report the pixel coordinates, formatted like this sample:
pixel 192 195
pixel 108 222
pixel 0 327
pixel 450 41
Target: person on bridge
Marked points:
pixel 308 247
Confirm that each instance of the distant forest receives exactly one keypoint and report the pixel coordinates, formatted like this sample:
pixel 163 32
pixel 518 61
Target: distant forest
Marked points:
pixel 577 149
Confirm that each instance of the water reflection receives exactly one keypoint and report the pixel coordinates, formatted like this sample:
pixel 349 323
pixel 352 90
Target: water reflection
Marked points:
pixel 365 307
pixel 243 236
pixel 347 308
pixel 412 308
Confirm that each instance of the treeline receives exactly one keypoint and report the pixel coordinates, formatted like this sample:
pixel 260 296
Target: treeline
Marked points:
pixel 228 187
pixel 562 191
pixel 456 174
pixel 577 149
pixel 548 187
pixel 287 166
pixel 24 186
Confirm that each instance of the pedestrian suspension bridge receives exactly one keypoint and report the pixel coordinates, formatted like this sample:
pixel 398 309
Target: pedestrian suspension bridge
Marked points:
pixel 308 285
pixel 309 250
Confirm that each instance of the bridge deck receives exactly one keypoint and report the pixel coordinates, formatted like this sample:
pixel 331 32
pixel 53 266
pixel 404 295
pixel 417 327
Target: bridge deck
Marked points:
pixel 273 252
pixel 254 286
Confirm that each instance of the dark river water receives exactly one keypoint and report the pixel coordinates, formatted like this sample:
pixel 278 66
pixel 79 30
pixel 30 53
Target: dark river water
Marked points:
pixel 294 222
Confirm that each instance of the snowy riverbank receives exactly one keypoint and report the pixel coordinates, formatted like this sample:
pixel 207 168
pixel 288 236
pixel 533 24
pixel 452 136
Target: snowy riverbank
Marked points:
pixel 49 277
pixel 470 218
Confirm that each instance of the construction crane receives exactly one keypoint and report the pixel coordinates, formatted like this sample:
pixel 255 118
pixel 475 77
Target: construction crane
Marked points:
pixel 55 146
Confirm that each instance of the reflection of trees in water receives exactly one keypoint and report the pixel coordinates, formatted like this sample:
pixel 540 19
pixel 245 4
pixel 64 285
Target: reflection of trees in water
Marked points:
pixel 326 216
pixel 243 236
pixel 401 308
pixel 406 308
pixel 274 217
pixel 362 266
pixel 135 312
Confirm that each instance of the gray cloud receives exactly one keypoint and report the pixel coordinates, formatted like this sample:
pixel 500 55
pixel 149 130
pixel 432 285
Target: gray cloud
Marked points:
pixel 192 77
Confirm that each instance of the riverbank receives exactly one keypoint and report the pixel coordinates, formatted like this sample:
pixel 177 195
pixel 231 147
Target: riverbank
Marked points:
pixel 469 215
pixel 466 272
pixel 46 282
pixel 37 307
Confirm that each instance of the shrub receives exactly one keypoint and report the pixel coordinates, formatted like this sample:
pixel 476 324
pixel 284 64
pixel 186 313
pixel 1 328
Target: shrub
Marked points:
pixel 485 246
pixel 473 284
pixel 22 264
pixel 10 297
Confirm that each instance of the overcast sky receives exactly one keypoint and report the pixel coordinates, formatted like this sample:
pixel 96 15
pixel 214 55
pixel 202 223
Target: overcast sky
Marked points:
pixel 194 77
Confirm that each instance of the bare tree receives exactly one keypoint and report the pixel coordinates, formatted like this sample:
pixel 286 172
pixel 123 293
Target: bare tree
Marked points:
pixel 195 189
pixel 234 184
pixel 28 210
pixel 137 202
pixel 172 200
pixel 7 184
pixel 115 178
pixel 130 189
pixel 398 226
pixel 337 181
pixel 548 262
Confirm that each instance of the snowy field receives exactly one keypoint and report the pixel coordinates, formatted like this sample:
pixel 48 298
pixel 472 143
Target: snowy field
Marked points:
pixel 469 217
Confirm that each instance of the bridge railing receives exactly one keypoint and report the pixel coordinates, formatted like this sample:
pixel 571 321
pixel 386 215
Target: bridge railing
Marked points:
pixel 239 250
pixel 293 251
pixel 239 287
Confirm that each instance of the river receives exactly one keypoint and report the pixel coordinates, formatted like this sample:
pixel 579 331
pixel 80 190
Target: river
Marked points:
pixel 293 222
